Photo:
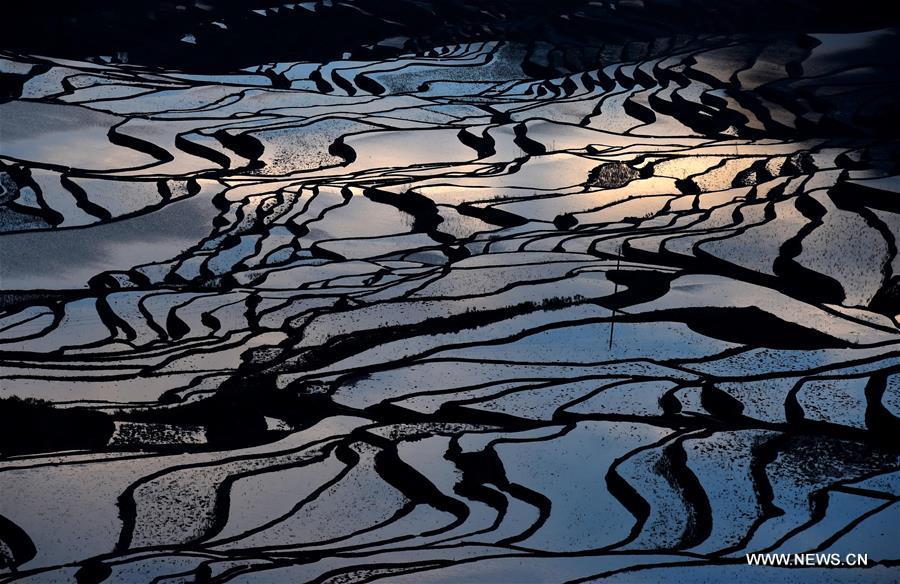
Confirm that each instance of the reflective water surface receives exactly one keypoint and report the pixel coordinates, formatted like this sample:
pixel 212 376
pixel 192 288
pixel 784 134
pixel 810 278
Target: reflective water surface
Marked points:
pixel 436 317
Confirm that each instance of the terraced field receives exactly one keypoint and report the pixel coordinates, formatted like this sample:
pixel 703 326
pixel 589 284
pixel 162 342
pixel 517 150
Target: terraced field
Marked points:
pixel 491 311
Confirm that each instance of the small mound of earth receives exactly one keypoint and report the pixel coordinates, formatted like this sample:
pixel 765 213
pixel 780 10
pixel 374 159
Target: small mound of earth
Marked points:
pixel 612 175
